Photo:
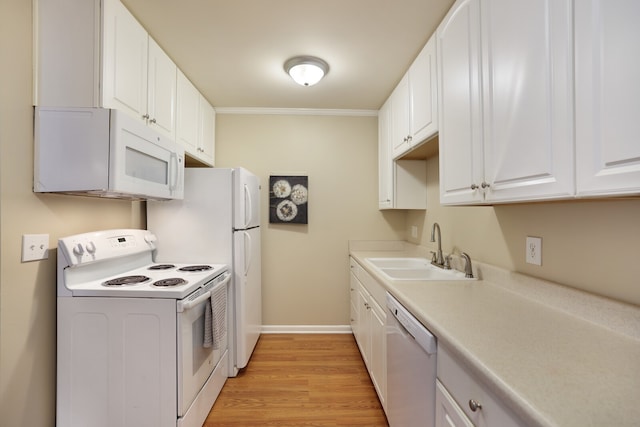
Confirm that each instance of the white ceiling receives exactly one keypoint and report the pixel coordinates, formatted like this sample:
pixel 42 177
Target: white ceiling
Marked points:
pixel 234 50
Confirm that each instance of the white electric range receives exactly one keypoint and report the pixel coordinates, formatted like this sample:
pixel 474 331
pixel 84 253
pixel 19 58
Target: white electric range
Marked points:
pixel 139 343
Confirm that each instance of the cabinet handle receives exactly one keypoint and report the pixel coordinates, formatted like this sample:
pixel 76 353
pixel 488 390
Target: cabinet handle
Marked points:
pixel 474 187
pixel 152 121
pixel 474 405
pixel 485 185
pixel 409 138
pixel 146 117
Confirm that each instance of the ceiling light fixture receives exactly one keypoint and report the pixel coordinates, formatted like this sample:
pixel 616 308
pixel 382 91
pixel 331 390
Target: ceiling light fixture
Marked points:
pixel 306 70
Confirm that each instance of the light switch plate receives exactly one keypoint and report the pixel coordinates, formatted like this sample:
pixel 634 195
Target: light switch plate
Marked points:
pixel 533 253
pixel 35 247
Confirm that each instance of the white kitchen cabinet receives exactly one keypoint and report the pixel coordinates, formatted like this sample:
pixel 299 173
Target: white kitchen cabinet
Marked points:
pixel 125 60
pixel 448 413
pixel 100 56
pixel 367 296
pixel 162 89
pixel 207 132
pixel 414 103
pixel 385 163
pixel 187 115
pixel 400 120
pixel 354 299
pixel 607 97
pixel 195 122
pixel 462 400
pixel 506 101
pixel 402 184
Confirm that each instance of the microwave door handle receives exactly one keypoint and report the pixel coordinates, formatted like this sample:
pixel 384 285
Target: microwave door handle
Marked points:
pixel 186 306
pixel 173 171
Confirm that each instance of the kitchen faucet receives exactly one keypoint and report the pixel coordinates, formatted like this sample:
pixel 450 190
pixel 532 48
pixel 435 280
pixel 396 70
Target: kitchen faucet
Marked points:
pixel 438 260
pixel 468 269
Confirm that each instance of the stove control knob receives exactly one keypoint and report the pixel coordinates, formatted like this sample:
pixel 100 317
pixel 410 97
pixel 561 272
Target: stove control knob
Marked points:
pixel 91 247
pixel 78 250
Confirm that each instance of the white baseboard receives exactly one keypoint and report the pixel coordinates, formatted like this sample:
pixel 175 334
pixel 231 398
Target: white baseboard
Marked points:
pixel 306 329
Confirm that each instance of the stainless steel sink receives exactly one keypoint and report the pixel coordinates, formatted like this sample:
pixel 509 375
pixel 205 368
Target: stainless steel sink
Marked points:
pixel 414 269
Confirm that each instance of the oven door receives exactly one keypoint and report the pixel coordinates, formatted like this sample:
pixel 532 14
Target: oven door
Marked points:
pixel 195 361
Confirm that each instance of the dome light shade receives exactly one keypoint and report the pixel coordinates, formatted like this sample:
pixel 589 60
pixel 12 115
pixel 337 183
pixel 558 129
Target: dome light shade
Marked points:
pixel 306 70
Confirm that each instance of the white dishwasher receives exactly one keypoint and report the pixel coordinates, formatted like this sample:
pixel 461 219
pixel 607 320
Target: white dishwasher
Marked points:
pixel 411 369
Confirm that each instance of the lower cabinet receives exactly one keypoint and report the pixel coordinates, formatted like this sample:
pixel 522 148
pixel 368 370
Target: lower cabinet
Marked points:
pixel 448 413
pixel 463 401
pixel 368 318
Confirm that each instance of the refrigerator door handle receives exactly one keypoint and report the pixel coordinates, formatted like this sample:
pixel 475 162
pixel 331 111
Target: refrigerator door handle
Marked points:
pixel 247 252
pixel 248 211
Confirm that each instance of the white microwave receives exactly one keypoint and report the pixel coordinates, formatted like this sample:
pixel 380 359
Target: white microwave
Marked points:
pixel 106 153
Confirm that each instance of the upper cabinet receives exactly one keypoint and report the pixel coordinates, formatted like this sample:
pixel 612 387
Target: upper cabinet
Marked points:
pixel 195 122
pixel 414 103
pixel 607 97
pixel 385 175
pixel 402 184
pixel 506 100
pixel 125 61
pixel 101 56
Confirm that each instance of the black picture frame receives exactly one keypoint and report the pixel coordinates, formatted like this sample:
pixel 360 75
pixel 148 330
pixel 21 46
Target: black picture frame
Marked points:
pixel 288 199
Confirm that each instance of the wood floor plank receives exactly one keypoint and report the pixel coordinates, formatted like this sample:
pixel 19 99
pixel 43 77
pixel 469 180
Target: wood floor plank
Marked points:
pixel 300 380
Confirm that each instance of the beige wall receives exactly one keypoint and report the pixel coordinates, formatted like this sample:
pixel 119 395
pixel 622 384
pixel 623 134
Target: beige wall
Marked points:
pixel 305 267
pixel 27 290
pixel 590 245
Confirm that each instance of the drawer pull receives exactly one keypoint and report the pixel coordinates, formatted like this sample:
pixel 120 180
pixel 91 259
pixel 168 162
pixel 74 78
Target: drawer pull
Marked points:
pixel 474 405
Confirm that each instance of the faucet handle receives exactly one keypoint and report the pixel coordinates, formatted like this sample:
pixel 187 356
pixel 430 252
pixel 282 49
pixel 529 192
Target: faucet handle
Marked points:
pixel 447 262
pixel 433 256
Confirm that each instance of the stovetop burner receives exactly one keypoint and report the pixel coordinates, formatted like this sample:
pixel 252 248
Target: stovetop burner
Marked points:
pixel 162 267
pixel 173 281
pixel 126 280
pixel 195 268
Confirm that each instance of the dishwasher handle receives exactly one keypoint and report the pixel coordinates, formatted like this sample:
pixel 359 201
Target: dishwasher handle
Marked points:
pixel 422 335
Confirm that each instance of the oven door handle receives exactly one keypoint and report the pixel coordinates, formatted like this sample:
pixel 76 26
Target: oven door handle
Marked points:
pixel 186 306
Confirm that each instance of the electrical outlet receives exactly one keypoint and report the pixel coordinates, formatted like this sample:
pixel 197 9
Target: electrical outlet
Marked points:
pixel 533 253
pixel 414 231
pixel 35 247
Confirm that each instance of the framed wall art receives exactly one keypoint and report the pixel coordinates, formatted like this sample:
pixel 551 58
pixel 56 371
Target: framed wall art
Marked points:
pixel 288 199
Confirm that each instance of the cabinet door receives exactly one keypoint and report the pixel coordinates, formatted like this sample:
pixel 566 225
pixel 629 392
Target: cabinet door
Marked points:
pixel 528 99
pixel 364 335
pixel 607 97
pixel 400 118
pixel 124 75
pixel 448 413
pixel 187 115
pixel 353 298
pixel 459 101
pixel 207 131
pixel 385 168
pixel 161 91
pixel 423 99
pixel 378 359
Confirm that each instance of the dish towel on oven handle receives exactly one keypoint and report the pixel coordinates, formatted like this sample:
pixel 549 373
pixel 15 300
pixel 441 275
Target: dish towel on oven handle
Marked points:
pixel 215 318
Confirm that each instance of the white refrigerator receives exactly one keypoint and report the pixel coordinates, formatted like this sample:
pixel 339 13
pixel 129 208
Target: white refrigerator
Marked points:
pixel 218 221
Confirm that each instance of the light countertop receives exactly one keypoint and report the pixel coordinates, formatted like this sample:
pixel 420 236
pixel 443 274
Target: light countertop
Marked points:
pixel 555 357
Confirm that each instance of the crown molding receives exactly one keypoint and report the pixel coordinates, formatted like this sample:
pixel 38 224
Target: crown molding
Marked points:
pixel 296 111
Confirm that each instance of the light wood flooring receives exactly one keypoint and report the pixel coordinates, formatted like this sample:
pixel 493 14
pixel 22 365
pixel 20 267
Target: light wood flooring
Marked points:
pixel 300 380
